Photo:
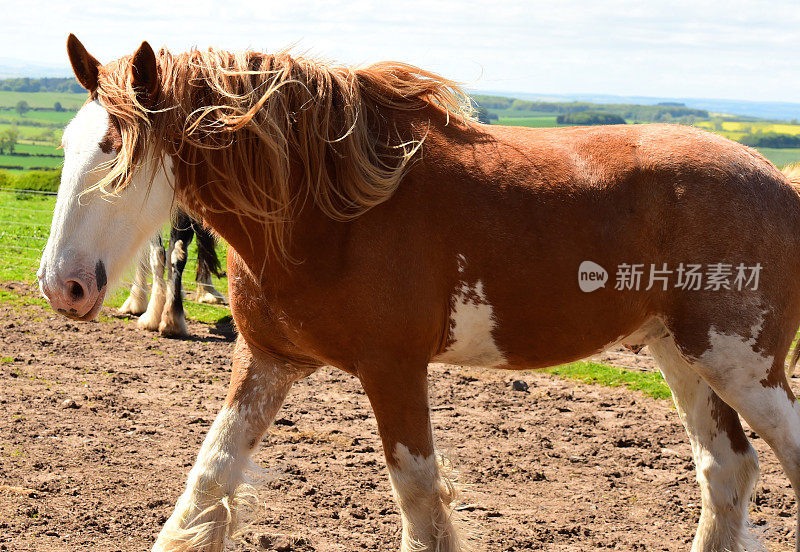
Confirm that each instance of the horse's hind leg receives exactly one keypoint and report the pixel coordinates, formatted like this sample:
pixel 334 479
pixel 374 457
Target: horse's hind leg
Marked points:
pixel 399 398
pixel 152 316
pixel 745 367
pixel 207 263
pixel 173 320
pixel 206 513
pixel 727 466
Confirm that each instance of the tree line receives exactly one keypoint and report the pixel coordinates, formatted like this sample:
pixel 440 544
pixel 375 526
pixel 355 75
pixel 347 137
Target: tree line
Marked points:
pixel 46 84
pixel 665 112
pixel 771 140
pixel 590 118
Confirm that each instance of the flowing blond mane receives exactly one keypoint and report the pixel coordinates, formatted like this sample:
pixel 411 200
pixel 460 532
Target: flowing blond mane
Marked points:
pixel 259 134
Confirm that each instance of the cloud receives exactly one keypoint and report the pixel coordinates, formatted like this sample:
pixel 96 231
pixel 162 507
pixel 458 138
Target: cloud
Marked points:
pixel 733 49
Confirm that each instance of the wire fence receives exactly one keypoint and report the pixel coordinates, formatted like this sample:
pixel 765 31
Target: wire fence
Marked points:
pixel 21 247
pixel 25 217
pixel 25 226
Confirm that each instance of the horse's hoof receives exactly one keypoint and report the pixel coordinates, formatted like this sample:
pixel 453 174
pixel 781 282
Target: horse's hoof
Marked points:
pixel 211 299
pixel 173 328
pixel 147 322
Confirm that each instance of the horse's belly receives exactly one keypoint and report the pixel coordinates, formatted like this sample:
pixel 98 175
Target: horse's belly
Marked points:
pixel 492 335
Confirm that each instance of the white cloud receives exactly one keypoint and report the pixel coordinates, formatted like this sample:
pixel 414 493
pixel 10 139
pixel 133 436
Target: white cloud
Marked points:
pixel 733 49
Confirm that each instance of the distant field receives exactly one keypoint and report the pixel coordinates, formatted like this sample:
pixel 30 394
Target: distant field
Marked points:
pixel 736 129
pixel 60 118
pixel 541 121
pixel 781 157
pixel 29 132
pixel 42 99
pixel 516 114
pixel 29 162
pixel 38 149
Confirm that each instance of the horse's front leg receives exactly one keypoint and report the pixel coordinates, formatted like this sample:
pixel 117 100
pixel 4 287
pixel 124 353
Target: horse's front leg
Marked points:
pixel 206 513
pixel 424 494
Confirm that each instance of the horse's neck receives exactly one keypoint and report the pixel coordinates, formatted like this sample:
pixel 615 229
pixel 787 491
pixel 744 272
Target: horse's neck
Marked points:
pixel 310 226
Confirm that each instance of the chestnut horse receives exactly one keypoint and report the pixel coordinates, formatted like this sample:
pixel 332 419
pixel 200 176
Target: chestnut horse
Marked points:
pixel 375 228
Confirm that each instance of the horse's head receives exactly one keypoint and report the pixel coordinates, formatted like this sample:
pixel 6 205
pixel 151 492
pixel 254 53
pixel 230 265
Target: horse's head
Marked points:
pixel 112 196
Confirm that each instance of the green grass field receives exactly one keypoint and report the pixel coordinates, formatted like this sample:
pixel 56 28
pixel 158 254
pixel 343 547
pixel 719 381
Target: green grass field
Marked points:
pixel 30 162
pixel 43 99
pixel 54 118
pixel 24 227
pixel 781 156
pixel 30 133
pixel 651 384
pixel 38 149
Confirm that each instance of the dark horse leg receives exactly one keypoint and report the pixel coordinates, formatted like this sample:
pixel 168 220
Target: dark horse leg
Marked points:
pixel 207 264
pixel 173 322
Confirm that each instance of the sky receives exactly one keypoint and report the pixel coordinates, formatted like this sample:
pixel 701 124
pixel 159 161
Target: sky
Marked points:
pixel 703 49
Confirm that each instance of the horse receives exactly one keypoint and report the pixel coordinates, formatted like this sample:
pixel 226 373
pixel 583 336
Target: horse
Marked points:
pixel 375 227
pixel 164 311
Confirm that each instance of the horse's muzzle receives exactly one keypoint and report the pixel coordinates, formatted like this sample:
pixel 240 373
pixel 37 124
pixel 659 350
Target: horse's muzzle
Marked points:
pixel 78 294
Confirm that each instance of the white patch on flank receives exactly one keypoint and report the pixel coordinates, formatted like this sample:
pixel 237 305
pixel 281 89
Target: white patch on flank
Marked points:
pixel 426 500
pixel 737 354
pixel 470 338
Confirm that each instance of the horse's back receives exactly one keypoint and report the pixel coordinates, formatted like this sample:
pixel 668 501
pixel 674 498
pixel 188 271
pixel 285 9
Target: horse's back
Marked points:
pixel 646 199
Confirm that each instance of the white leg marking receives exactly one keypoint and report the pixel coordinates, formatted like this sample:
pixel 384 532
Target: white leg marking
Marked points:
pixel 136 303
pixel 205 515
pixel 426 498
pixel 726 477
pixel 152 316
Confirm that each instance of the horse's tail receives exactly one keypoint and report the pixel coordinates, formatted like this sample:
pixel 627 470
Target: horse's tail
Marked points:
pixel 207 259
pixel 792 174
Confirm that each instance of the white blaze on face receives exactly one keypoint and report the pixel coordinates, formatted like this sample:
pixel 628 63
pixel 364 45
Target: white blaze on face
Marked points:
pixel 88 227
pixel 472 321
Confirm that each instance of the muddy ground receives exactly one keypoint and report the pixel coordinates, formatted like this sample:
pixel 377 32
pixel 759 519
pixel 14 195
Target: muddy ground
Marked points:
pixel 99 424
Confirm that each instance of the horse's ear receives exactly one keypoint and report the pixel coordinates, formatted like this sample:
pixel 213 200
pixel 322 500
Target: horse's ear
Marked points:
pixel 144 74
pixel 85 66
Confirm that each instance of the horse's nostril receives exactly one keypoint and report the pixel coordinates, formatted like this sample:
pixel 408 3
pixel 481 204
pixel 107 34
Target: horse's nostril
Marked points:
pixel 75 290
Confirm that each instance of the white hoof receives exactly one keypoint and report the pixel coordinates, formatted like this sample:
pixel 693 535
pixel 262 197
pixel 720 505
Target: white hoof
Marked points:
pixel 133 305
pixel 148 321
pixel 172 326
pixel 211 298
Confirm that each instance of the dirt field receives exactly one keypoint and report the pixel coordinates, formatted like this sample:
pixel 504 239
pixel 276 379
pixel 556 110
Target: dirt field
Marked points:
pixel 99 424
